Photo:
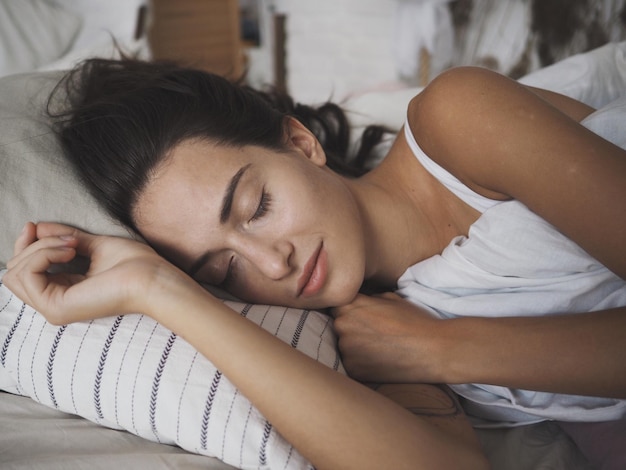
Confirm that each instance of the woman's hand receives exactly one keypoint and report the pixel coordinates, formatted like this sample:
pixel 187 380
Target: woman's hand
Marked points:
pixel 386 339
pixel 119 269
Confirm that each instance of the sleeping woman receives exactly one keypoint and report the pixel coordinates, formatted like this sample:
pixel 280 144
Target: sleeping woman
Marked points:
pixel 234 188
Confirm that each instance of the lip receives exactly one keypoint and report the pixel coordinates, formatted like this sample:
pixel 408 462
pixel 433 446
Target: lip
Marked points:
pixel 314 273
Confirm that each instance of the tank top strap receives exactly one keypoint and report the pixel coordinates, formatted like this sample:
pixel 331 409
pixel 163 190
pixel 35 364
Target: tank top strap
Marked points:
pixel 470 197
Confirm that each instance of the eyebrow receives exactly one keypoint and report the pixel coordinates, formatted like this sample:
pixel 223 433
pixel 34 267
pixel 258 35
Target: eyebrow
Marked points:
pixel 227 205
pixel 227 201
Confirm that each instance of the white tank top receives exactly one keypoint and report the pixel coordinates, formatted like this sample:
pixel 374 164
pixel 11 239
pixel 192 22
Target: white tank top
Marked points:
pixel 472 198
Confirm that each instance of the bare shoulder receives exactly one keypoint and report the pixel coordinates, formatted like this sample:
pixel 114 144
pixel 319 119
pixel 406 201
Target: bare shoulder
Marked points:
pixel 499 137
pixel 459 89
pixel 451 121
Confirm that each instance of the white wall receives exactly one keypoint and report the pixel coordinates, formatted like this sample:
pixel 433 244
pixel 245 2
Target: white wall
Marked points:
pixel 334 47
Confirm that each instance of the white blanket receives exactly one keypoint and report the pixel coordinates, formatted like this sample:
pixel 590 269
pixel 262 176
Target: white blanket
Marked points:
pixel 513 263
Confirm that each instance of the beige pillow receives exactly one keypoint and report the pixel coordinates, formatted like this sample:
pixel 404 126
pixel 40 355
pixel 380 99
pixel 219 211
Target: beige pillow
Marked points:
pixel 34 33
pixel 36 183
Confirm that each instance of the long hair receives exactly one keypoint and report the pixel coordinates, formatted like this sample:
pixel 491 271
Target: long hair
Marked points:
pixel 118 119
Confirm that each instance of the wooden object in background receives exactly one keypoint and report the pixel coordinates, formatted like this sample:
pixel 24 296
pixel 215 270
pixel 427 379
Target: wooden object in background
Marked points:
pixel 279 53
pixel 199 33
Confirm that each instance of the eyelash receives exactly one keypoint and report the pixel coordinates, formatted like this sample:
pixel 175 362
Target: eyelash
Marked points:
pixel 263 208
pixel 229 272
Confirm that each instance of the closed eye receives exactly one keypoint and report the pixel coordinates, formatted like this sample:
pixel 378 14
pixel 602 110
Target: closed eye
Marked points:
pixel 261 210
pixel 263 207
pixel 228 278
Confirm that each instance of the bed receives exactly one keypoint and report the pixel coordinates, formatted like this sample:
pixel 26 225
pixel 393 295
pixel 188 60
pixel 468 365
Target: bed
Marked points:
pixel 125 392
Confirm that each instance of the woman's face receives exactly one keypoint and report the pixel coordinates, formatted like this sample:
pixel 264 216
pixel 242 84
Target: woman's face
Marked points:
pixel 269 227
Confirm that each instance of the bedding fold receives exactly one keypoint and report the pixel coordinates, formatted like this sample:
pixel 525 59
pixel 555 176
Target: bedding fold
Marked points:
pixel 514 263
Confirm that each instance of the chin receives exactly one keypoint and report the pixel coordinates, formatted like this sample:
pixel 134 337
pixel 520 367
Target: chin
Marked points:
pixel 345 296
pixel 322 302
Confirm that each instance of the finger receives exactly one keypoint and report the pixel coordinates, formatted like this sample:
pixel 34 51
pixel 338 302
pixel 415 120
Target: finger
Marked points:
pixel 337 312
pixel 42 259
pixel 388 296
pixel 87 242
pixel 29 277
pixel 52 229
pixel 357 302
pixel 25 238
pixel 49 242
pixel 84 239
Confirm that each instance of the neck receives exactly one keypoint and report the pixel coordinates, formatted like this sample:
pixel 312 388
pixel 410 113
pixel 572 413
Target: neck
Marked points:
pixel 408 216
pixel 397 233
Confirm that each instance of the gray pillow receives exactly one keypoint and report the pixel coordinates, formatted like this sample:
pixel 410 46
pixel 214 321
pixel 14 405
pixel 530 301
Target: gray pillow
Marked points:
pixel 36 183
pixel 34 33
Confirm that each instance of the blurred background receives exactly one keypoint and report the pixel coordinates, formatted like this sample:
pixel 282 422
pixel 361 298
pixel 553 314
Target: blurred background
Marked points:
pixel 316 50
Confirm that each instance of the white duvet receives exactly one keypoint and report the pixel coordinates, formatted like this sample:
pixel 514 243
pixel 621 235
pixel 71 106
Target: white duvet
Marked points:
pixel 513 263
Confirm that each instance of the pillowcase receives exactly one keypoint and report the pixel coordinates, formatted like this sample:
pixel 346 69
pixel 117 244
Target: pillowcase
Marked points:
pixel 36 183
pixel 129 372
pixel 34 33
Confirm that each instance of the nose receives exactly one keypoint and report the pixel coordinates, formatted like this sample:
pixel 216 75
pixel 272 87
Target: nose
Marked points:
pixel 271 257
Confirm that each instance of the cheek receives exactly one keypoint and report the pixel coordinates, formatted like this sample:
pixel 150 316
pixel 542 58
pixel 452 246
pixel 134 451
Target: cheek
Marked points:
pixel 329 210
pixel 347 280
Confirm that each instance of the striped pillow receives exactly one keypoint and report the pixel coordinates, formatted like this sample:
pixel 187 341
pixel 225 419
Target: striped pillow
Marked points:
pixel 129 372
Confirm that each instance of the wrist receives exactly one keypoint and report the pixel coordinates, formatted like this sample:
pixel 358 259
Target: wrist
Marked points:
pixel 478 350
pixel 456 350
pixel 435 357
pixel 163 292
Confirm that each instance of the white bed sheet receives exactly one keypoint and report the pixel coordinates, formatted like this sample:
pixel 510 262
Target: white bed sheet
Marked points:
pixel 33 436
pixel 102 21
pixel 67 32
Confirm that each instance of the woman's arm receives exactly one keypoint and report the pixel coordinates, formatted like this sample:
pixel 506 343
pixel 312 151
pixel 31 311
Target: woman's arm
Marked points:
pixel 503 140
pixel 579 354
pixel 498 137
pixel 332 420
pixel 569 106
pixel 509 141
pixel 388 339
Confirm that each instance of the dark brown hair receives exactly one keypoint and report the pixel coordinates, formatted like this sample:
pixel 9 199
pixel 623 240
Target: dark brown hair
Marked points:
pixel 119 118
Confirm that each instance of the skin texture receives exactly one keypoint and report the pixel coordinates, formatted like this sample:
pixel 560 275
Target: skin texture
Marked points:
pixel 474 123
pixel 368 429
pixel 285 208
pixel 568 175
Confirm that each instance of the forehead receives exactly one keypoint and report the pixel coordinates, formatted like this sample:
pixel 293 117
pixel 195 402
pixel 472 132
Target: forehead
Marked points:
pixel 185 192
pixel 195 160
